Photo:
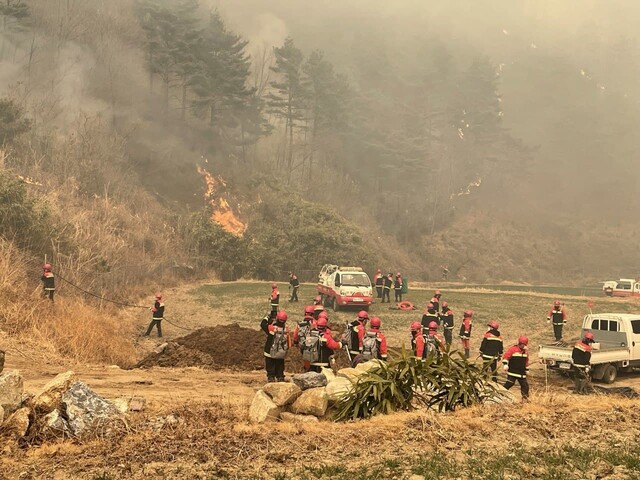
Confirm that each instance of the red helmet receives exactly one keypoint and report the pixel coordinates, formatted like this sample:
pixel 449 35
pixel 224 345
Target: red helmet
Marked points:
pixel 523 340
pixel 308 310
pixel 274 285
pixel 556 303
pixel 433 326
pixel 318 298
pixel 158 296
pixel 430 306
pixel 322 323
pixel 282 316
pixel 378 271
pixel 47 267
pixel 375 322
pixel 323 314
pixel 493 324
pixel 437 293
pixel 416 326
pixel 397 274
pixel 363 314
pixel 468 313
pixel 445 304
pixel 589 336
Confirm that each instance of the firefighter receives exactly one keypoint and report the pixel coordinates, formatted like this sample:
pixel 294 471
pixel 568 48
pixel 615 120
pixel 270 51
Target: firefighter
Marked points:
pixel 436 301
pixel 48 281
pixel 303 327
pixel 157 315
pixel 326 345
pixel 433 341
pixel 465 331
pixel 294 283
pixel 417 340
pixel 397 287
pixel 516 364
pixel 378 280
pixel 581 359
pixel 491 348
pixel 317 306
pixel 374 343
pixel 355 333
pixel 386 288
pixel 447 322
pixel 558 317
pixel 274 298
pixel 429 316
pixel 276 345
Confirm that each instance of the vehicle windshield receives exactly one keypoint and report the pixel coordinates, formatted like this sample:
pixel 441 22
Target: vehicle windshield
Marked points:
pixel 624 285
pixel 355 280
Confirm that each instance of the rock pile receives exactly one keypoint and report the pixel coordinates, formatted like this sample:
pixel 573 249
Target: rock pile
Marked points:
pixel 307 398
pixel 65 407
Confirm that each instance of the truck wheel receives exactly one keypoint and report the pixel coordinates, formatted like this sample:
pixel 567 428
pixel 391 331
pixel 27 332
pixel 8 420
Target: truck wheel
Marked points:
pixel 326 301
pixel 610 374
pixel 336 307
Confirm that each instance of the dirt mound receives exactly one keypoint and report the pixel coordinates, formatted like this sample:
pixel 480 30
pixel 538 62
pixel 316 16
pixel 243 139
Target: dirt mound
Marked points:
pixel 223 346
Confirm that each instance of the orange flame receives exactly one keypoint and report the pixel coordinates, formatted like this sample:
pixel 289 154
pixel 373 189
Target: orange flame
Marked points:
pixel 222 213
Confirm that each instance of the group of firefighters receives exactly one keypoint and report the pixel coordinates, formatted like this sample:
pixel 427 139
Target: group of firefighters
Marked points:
pixel 384 285
pixel 364 340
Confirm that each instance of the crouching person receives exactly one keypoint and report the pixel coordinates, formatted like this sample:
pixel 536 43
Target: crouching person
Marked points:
pixel 276 345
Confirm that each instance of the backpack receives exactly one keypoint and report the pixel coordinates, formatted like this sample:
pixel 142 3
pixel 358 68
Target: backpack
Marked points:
pixel 370 346
pixel 347 337
pixel 303 331
pixel 430 345
pixel 280 344
pixel 311 347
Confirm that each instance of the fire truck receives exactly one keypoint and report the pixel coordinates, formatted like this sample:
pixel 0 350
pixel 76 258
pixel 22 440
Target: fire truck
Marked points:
pixel 342 287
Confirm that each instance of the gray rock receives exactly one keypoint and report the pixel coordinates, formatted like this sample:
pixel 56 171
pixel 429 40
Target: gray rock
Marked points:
pixel 49 398
pixel 282 393
pixel 263 409
pixel 293 418
pixel 309 380
pixel 18 423
pixel 312 402
pixel 86 411
pixel 337 389
pixel 54 424
pixel 11 389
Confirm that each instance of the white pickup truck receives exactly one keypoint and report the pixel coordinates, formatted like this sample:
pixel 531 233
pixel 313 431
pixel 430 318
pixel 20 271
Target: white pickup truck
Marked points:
pixel 344 287
pixel 617 347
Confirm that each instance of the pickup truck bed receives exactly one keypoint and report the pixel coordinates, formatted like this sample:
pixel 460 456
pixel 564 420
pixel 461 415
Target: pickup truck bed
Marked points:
pixel 605 362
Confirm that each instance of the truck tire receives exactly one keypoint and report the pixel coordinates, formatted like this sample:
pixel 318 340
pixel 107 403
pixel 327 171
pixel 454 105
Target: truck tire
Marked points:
pixel 336 307
pixel 610 374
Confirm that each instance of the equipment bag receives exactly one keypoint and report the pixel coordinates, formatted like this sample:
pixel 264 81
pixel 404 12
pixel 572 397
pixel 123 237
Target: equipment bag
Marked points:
pixel 370 346
pixel 303 331
pixel 347 337
pixel 280 344
pixel 311 349
pixel 430 345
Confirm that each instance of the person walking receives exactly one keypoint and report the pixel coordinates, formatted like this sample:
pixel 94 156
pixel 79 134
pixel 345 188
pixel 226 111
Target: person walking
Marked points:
pixel 465 331
pixel 48 281
pixel 491 348
pixel 276 346
pixel 558 318
pixel 157 314
pixel 581 359
pixel 516 364
pixel 294 283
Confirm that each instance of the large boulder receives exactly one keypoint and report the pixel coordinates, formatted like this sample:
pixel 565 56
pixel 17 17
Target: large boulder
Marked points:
pixel 54 424
pixel 282 393
pixel 351 373
pixel 18 423
pixel 11 389
pixel 49 398
pixel 309 380
pixel 368 365
pixel 263 409
pixel 312 402
pixel 85 410
pixel 337 389
pixel 293 418
pixel 328 374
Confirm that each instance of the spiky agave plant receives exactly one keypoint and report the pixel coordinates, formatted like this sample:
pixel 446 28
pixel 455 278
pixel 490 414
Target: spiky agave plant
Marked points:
pixel 440 381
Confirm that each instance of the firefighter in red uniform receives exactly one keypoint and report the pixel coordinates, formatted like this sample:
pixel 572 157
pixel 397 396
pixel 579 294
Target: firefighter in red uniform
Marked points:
pixel 397 287
pixel 327 346
pixel 378 280
pixel 294 283
pixel 516 364
pixel 374 343
pixel 276 346
pixel 274 298
pixel 317 306
pixel 156 316
pixel 447 322
pixel 581 359
pixel 465 332
pixel 558 317
pixel 492 348
pixel 355 333
pixel 303 327
pixel 429 316
pixel 48 281
pixel 432 341
pixel 386 288
pixel 436 300
pixel 417 340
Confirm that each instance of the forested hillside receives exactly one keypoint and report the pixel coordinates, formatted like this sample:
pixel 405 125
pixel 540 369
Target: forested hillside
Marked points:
pixel 254 138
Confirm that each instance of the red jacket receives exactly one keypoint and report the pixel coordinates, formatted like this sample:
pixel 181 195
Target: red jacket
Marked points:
pixel 465 328
pixel 382 343
pixel 517 360
pixel 417 344
pixel 357 334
